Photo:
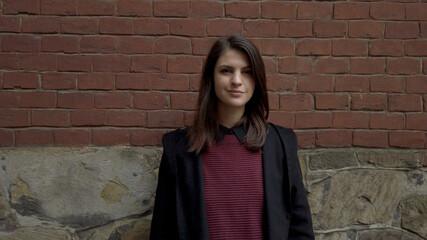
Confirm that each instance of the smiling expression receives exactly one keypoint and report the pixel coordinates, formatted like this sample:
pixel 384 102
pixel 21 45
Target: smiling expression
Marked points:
pixel 234 83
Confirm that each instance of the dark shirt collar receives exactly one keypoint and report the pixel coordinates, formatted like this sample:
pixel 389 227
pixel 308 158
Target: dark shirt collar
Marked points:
pixel 238 131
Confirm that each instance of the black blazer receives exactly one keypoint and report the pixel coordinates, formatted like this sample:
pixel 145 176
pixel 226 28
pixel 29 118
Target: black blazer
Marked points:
pixel 179 210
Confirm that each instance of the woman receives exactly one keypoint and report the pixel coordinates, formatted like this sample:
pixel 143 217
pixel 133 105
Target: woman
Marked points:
pixel 231 175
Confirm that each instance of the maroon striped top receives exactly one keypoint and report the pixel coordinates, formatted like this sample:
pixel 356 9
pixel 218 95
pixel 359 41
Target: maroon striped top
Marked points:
pixel 234 193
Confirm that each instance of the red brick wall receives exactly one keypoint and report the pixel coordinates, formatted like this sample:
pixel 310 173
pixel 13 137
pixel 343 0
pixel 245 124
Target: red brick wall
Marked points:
pixel 123 72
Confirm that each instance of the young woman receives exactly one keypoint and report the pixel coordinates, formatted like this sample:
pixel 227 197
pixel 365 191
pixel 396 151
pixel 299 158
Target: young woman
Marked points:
pixel 231 175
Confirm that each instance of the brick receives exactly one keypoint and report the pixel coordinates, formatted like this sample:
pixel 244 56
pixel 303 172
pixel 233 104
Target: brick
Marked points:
pixel 126 118
pixel 9 99
pixel 350 10
pixel 223 27
pixel 146 137
pixel 331 101
pixel 184 64
pixel 204 9
pixel 425 102
pixel 8 61
pixel 37 100
pixel 273 101
pixel 21 43
pixel 331 65
pixel 135 45
pixel 172 45
pixel 349 47
pixel 401 30
pixel 423 30
pixel 58 81
pixel 406 139
pixel 71 137
pixel 6 138
pixel 33 137
pixel 403 66
pixel 96 8
pixel 277 47
pixel 314 47
pixel 386 121
pixel 278 10
pixel 79 25
pixel 96 44
pixel 74 63
pixel 416 48
pixel 242 10
pixel 416 12
pixel 170 82
pixel 313 120
pixel 416 84
pixel 64 44
pixel 40 24
pixel 134 8
pixel 270 65
pixel 194 82
pixel 50 118
pixel 285 119
pixel 350 120
pixel 88 117
pixel 201 46
pixel 21 80
pixel 75 100
pixel 329 29
pixel 183 101
pixel 110 137
pixel 188 27
pixel 295 29
pixel 332 138
pixel 95 81
pixel 314 83
pixel 365 29
pixel 314 11
pixel 22 6
pixel 378 139
pixel 171 8
pixel 134 81
pixel 58 7
pixel 386 84
pixel 188 119
pixel 279 83
pixel 38 62
pixel 148 64
pixel 151 101
pixel 368 102
pixel 113 100
pixel 295 65
pixel 416 121
pixel 296 102
pixel 366 66
pixel 260 28
pixel 14 118
pixel 10 24
pixel 116 26
pixel 404 103
pixel 111 63
pixel 151 27
pixel 387 11
pixel 386 48
pixel 165 119
pixel 306 139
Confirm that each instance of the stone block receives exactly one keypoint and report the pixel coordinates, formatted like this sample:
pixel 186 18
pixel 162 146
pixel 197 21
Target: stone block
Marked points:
pixel 323 160
pixel 388 158
pixel 389 234
pixel 413 210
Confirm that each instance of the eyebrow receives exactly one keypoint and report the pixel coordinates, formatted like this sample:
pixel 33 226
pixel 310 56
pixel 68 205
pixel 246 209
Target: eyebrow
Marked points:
pixel 228 66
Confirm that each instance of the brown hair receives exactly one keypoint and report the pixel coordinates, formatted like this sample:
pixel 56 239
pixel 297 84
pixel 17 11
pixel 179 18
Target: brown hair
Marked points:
pixel 205 128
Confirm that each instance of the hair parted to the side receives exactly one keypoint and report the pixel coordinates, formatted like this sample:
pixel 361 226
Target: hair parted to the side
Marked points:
pixel 205 128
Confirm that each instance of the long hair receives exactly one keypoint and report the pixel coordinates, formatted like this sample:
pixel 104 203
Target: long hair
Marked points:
pixel 205 128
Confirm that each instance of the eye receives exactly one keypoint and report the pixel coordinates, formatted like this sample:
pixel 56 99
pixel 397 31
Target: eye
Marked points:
pixel 225 70
pixel 247 72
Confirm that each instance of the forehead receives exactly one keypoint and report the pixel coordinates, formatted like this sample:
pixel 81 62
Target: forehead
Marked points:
pixel 233 58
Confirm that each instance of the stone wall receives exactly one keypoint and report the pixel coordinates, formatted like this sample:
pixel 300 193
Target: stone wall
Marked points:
pixel 99 193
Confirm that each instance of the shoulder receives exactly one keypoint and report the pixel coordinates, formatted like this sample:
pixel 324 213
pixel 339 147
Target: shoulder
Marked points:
pixel 285 133
pixel 175 138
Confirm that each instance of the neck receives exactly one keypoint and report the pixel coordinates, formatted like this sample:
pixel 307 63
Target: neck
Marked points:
pixel 230 117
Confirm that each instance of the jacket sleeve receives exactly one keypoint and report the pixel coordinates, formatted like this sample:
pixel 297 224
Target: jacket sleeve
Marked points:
pixel 301 227
pixel 164 223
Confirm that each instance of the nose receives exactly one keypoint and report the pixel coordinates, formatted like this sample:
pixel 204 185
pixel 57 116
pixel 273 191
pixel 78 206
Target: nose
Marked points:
pixel 237 78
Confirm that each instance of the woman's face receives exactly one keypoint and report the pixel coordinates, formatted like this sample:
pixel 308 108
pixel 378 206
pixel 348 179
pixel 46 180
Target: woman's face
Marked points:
pixel 234 84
